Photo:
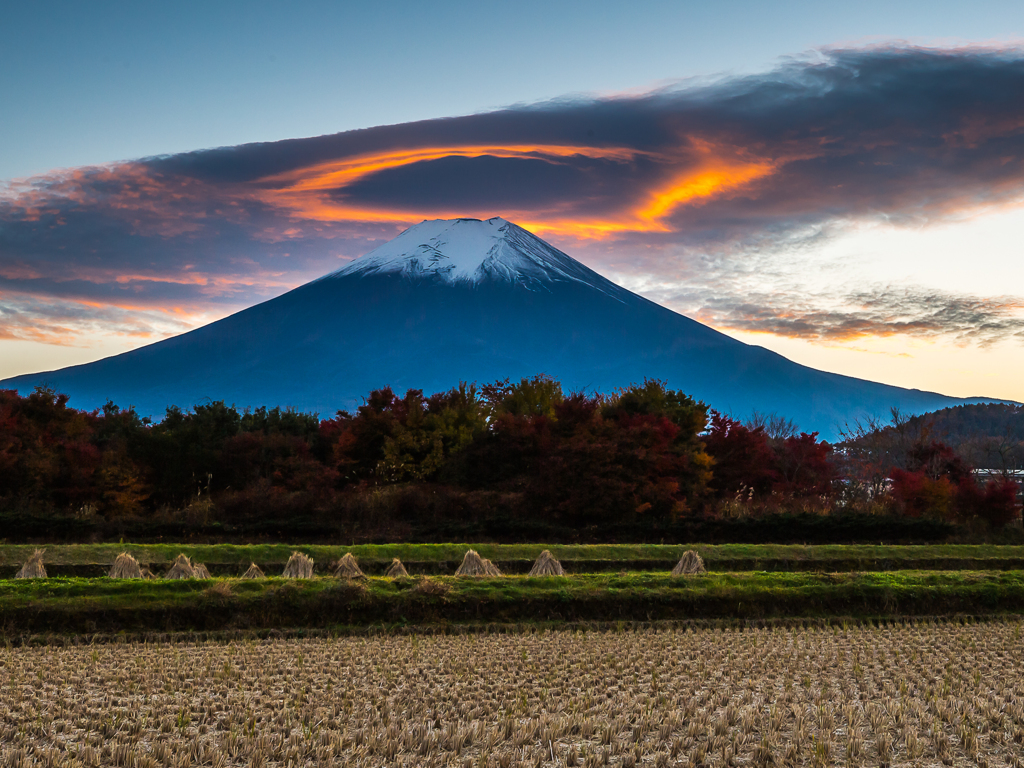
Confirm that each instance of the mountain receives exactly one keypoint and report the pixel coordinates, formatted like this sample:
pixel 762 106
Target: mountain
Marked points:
pixel 465 300
pixel 1003 421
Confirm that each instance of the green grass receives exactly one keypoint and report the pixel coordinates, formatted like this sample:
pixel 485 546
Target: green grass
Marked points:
pixel 227 559
pixel 75 605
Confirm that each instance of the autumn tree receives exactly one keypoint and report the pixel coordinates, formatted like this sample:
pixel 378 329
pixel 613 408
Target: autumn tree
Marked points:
pixel 743 459
pixel 47 458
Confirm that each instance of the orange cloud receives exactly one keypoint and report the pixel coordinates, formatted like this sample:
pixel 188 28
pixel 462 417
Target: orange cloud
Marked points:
pixel 704 183
pixel 171 206
pixel 689 188
pixel 338 173
pixel 306 192
pixel 709 171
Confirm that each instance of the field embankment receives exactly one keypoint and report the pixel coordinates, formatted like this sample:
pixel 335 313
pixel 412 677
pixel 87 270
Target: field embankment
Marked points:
pixel 84 606
pixel 91 560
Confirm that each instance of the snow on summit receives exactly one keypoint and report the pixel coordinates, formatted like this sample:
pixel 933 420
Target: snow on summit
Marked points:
pixel 472 251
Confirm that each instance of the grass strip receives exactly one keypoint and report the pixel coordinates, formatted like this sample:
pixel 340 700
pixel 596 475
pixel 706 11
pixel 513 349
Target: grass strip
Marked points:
pixel 84 606
pixel 93 559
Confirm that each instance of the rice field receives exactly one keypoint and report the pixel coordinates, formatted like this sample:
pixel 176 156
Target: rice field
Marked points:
pixel 917 694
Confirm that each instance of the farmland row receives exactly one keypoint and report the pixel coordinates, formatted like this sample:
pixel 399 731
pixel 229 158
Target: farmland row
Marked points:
pixel 86 606
pixel 87 560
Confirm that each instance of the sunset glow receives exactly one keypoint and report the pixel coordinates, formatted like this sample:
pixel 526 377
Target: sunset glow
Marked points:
pixel 705 183
pixel 307 192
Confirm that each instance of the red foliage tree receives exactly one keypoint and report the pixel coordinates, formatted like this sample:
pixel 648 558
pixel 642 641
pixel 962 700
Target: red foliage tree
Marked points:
pixel 743 459
pixel 46 452
pixel 939 483
pixel 919 495
pixel 803 466
pixel 995 502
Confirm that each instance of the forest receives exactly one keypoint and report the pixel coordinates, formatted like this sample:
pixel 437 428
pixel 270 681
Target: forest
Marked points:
pixel 507 460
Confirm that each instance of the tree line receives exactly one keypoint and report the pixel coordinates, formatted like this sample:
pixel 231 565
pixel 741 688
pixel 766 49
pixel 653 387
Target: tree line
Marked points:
pixel 525 452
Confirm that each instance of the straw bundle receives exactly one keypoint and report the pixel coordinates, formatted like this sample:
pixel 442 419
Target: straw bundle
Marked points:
pixel 396 570
pixel 348 568
pixel 299 566
pixel 254 572
pixel 125 567
pixel 474 565
pixel 182 569
pixel 201 572
pixel 690 564
pixel 148 574
pixel 33 567
pixel 547 565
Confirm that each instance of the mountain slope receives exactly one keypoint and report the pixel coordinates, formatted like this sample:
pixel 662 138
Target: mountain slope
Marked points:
pixel 465 300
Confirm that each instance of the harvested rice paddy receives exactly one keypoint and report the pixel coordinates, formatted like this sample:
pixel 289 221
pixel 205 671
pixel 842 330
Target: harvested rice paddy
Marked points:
pixel 913 693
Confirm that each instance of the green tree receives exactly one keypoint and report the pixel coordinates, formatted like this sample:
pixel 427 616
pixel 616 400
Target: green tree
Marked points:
pixel 185 450
pixel 538 396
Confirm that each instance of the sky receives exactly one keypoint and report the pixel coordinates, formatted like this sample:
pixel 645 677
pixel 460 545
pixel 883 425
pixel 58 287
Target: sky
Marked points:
pixel 841 183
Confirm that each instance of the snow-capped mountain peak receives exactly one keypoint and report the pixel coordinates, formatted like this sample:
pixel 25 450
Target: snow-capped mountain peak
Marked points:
pixel 472 251
pixel 464 301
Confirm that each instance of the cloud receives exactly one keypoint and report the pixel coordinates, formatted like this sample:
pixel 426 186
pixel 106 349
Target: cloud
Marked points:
pixel 740 166
pixel 881 311
pixel 62 322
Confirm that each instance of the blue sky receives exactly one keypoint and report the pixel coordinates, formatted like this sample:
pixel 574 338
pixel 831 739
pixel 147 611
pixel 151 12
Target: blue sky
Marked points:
pixel 907 273
pixel 87 83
